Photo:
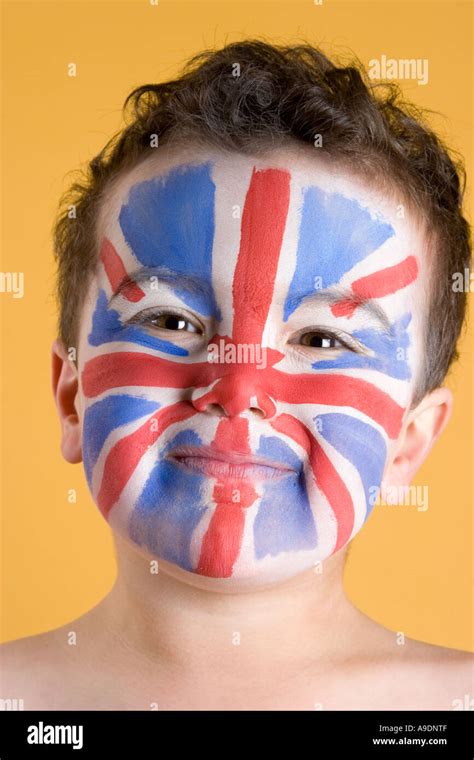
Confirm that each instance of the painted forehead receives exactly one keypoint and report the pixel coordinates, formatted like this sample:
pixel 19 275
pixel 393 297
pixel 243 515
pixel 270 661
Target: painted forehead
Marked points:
pixel 323 233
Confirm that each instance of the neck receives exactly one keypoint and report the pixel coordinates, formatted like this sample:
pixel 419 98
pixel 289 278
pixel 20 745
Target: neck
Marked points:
pixel 166 620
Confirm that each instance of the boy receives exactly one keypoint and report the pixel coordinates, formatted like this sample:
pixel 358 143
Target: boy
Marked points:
pixel 256 318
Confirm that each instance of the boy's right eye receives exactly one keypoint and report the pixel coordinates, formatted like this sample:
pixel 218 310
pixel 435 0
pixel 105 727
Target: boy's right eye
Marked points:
pixel 168 320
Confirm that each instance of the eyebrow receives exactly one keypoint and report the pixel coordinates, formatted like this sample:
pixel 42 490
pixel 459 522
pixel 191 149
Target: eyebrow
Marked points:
pixel 337 294
pixel 194 285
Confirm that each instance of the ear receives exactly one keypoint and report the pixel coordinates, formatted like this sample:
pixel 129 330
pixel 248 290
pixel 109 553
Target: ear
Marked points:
pixel 422 427
pixel 65 384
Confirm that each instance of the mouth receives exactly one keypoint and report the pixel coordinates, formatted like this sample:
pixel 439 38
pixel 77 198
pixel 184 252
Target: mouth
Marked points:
pixel 228 465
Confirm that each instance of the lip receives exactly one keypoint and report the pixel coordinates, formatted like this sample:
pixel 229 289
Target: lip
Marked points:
pixel 228 464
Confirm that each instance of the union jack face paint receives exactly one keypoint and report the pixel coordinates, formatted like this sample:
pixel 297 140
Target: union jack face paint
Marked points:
pixel 256 460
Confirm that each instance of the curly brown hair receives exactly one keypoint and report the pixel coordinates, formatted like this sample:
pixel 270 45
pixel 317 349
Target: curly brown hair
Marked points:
pixel 250 95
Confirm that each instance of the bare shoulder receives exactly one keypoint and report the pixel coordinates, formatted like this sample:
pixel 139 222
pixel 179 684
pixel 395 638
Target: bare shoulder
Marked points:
pixel 418 675
pixel 456 666
pixel 25 660
pixel 35 669
pixel 391 671
pixel 442 678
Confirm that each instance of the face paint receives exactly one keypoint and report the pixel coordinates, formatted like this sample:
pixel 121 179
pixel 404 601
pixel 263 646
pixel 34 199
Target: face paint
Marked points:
pixel 305 257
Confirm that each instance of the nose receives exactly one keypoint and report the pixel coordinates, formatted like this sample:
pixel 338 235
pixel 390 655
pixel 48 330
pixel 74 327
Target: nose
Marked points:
pixel 233 395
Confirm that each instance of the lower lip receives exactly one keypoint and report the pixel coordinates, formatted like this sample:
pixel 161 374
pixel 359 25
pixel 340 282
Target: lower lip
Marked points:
pixel 216 468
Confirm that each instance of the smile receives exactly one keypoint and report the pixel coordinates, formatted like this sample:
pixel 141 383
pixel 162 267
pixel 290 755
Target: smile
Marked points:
pixel 228 465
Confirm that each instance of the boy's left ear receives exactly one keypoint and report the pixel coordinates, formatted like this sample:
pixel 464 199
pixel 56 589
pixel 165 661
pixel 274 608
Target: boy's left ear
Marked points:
pixel 421 428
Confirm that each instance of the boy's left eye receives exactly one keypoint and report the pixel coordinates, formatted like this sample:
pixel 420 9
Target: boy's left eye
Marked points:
pixel 169 321
pixel 320 340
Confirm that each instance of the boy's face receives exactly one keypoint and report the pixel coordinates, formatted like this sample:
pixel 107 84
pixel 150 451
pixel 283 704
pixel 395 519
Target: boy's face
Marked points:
pixel 248 351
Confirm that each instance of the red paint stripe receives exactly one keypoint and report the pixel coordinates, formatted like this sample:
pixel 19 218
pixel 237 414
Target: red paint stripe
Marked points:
pixel 335 491
pixel 223 538
pixel 289 426
pixel 325 475
pixel 263 225
pixel 135 368
pixel 377 285
pixel 338 390
pixel 232 435
pixel 221 543
pixel 116 272
pixel 126 454
pixel 122 369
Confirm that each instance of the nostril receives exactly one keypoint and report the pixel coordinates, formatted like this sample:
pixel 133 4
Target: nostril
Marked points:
pixel 258 412
pixel 216 409
pixel 230 396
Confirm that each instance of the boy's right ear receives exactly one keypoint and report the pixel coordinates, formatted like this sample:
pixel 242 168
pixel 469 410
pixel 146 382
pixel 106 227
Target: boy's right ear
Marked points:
pixel 65 382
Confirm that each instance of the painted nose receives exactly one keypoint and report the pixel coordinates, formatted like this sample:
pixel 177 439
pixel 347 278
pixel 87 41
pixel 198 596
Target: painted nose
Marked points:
pixel 233 395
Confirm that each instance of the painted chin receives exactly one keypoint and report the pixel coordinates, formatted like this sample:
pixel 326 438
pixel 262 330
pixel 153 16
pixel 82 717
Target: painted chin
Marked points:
pixel 255 579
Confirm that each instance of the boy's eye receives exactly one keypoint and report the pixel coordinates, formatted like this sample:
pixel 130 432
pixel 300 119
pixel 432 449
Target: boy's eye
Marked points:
pixel 168 321
pixel 173 322
pixel 320 340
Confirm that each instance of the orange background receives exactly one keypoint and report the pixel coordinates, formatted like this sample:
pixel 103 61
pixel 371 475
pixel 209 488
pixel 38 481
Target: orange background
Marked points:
pixel 410 570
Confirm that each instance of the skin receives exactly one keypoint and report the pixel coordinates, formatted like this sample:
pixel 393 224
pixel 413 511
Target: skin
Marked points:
pixel 171 638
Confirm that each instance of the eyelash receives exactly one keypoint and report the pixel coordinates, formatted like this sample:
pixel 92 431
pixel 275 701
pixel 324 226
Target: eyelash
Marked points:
pixel 326 334
pixel 148 316
pixel 344 341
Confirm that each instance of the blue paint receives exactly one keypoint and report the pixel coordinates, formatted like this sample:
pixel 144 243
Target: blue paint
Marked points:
pixel 169 507
pixel 192 289
pixel 284 521
pixel 359 443
pixel 105 416
pixel 169 221
pixel 385 347
pixel 335 234
pixel 107 328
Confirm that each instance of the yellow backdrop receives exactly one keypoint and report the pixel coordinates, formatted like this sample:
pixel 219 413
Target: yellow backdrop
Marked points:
pixel 408 569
